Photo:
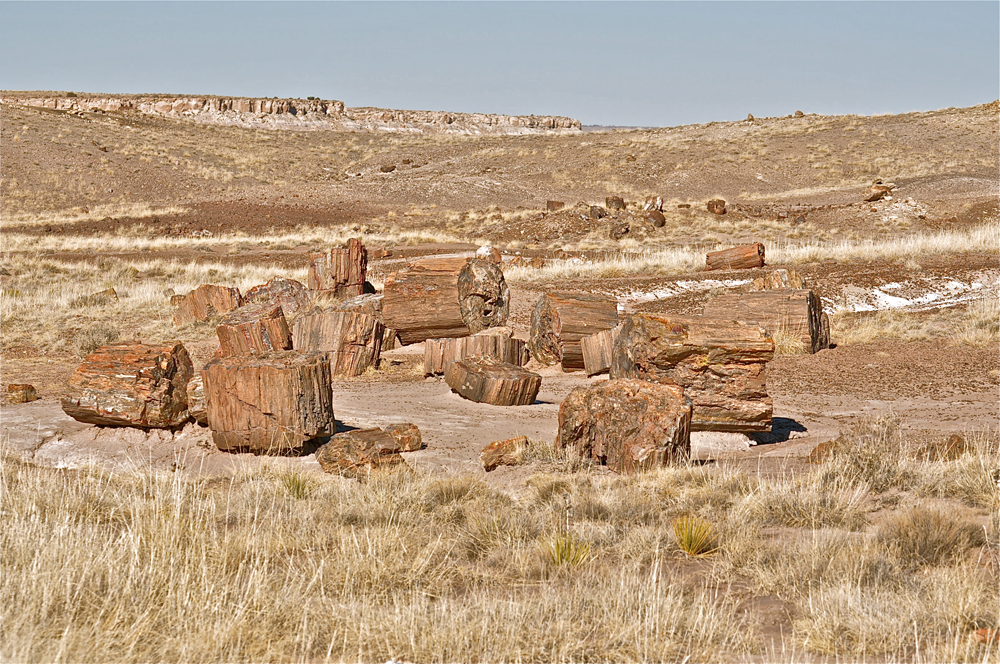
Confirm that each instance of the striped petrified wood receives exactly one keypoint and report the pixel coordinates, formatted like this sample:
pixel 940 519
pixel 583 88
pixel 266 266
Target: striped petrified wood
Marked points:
pixel 206 301
pixel 743 257
pixel 353 340
pixel 340 271
pixel 496 342
pixel 292 295
pixel 560 319
pixel 597 350
pixel 797 313
pixel 485 380
pixel 254 328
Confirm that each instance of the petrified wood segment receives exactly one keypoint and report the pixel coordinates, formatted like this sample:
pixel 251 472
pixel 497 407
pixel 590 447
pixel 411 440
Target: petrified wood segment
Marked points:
pixel 743 257
pixel 341 271
pixel 597 349
pixel 21 393
pixel 485 380
pixel 496 342
pixel 269 404
pixel 354 341
pixel 777 280
pixel 356 454
pixel 423 304
pixel 206 301
pixel 560 319
pixel 197 406
pixel 369 304
pixel 450 264
pixel 134 385
pixel 508 452
pixel 628 425
pixel 290 294
pixel 798 313
pixel 721 364
pixel 254 328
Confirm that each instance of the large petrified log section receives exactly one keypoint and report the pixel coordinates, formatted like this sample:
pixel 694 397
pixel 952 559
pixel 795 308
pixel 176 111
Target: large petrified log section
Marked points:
pixel 743 257
pixel 292 295
pixel 628 425
pixel 559 320
pixel 135 385
pixel 206 301
pixel 353 340
pixel 370 304
pixel 254 328
pixel 341 271
pixel 797 313
pixel 356 454
pixel 427 304
pixel 485 380
pixel 721 364
pixel 269 404
pixel 496 342
pixel 597 349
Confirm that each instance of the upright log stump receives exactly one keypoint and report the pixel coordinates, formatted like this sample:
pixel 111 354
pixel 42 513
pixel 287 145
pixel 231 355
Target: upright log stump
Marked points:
pixel 496 342
pixel 206 301
pixel 341 271
pixel 254 328
pixel 628 425
pixel 597 350
pixel 485 380
pixel 353 340
pixel 560 319
pixel 721 364
pixel 797 313
pixel 131 385
pixel 743 257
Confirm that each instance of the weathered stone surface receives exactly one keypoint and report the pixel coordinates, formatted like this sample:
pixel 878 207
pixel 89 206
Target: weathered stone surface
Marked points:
pixel 21 393
pixel 614 203
pixel 598 350
pixel 341 271
pixel 743 257
pixel 496 342
pixel 292 295
pixel 554 206
pixel 716 206
pixel 197 404
pixel 629 425
pixel 369 304
pixel 597 212
pixel 254 328
pixel 131 384
pixel 357 454
pixel 206 301
pixel 483 295
pixel 656 218
pixel 777 280
pixel 653 203
pixel 353 340
pixel 485 380
pixel 508 452
pixel 407 435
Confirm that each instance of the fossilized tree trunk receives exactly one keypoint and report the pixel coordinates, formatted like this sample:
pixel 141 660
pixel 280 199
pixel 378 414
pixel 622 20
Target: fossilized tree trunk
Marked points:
pixel 496 342
pixel 597 349
pixel 206 301
pixel 293 296
pixel 797 313
pixel 353 340
pixel 485 380
pixel 743 257
pixel 341 271
pixel 560 319
pixel 254 328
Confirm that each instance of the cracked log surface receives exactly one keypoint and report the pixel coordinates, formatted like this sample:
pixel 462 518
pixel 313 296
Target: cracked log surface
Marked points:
pixel 254 328
pixel 292 295
pixel 560 319
pixel 206 301
pixel 485 380
pixel 743 257
pixel 353 340
pixel 340 271
pixel 597 350
pixel 797 313
pixel 496 342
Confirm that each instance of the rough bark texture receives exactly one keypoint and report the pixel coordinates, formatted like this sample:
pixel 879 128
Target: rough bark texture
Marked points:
pixel 597 349
pixel 629 425
pixel 135 385
pixel 743 257
pixel 269 404
pixel 560 319
pixel 777 280
pixel 292 295
pixel 508 452
pixel 197 405
pixel 206 301
pixel 254 328
pixel 423 304
pixel 486 380
pixel 353 340
pixel 797 313
pixel 356 454
pixel 721 364
pixel 341 271
pixel 369 304
pixel 496 342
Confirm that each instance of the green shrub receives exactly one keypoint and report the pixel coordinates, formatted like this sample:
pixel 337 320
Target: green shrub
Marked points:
pixel 696 536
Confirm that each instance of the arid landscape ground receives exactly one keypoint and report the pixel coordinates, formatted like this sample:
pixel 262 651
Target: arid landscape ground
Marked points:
pixel 127 545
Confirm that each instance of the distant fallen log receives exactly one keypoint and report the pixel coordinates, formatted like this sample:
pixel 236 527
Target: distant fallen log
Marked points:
pixel 796 313
pixel 485 380
pixel 496 342
pixel 254 328
pixel 206 301
pixel 597 350
pixel 341 271
pixel 560 319
pixel 743 257
pixel 353 340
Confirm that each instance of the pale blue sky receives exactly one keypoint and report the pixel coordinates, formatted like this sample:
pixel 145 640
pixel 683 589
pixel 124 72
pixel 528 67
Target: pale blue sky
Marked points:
pixel 612 63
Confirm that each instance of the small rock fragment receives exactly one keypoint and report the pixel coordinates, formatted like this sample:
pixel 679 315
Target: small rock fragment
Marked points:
pixel 509 452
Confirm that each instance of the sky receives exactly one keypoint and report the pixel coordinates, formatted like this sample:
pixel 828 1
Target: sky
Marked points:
pixel 603 63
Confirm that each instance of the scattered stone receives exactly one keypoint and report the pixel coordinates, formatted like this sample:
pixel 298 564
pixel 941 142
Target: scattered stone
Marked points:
pixel 716 206
pixel 387 168
pixel 358 454
pixel 619 230
pixel 597 212
pixel 683 206
pixel 614 203
pixel 656 218
pixel 21 393
pixel 206 301
pixel 554 206
pixel 653 203
pixel 508 452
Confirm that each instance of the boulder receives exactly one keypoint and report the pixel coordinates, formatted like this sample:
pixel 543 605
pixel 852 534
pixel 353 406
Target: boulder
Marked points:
pixel 206 301
pixel 554 206
pixel 21 393
pixel 656 218
pixel 716 206
pixel 357 454
pixel 509 452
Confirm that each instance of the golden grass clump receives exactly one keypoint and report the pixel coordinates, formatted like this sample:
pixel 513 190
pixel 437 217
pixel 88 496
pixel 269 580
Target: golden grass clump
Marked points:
pixel 695 536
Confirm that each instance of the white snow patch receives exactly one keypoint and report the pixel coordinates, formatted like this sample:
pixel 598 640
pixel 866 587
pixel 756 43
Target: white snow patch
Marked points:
pixel 917 294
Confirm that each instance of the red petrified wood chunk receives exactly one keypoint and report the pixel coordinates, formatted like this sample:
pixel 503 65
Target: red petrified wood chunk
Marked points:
pixel 206 301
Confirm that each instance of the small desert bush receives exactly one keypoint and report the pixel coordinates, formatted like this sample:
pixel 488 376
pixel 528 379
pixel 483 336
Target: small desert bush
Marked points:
pixel 95 336
pixel 869 455
pixel 928 535
pixel 695 536
pixel 566 550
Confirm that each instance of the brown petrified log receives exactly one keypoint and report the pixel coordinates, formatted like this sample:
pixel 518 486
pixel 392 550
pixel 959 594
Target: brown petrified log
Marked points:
pixel 777 280
pixel 425 304
pixel 450 264
pixel 290 294
pixel 560 319
pixel 508 452
pixel 269 404
pixel 496 342
pixel 485 380
pixel 133 385
pixel 721 364
pixel 796 313
pixel 206 301
pixel 407 435
pixel 341 271
pixel 743 257
pixel 353 340
pixel 21 393
pixel 597 349
pixel 628 425
pixel 197 406
pixel 369 304
pixel 357 454
pixel 254 328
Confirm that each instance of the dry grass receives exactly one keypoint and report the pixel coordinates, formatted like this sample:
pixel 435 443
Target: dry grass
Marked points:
pixel 974 324
pixel 94 213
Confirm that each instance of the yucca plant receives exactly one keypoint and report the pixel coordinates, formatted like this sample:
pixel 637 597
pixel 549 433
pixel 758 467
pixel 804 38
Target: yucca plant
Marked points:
pixel 566 550
pixel 696 536
pixel 298 485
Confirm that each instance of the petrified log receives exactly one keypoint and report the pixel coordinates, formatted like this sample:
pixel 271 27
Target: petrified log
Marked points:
pixel 554 206
pixel 369 304
pixel 450 264
pixel 197 405
pixel 407 435
pixel 356 454
pixel 496 342
pixel 597 350
pixel 614 203
pixel 341 271
pixel 354 341
pixel 254 328
pixel 485 380
pixel 797 313
pixel 777 280
pixel 21 393
pixel 423 304
pixel 132 385
pixel 743 257
pixel 290 294
pixel 271 403
pixel 628 425
pixel 721 364
pixel 508 452
pixel 559 320
pixel 206 301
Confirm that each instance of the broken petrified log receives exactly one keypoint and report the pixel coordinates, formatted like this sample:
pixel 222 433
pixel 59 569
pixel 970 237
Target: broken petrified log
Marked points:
pixel 508 452
pixel 560 319
pixel 485 380
pixel 629 425
pixel 21 393
pixel 356 454
pixel 597 349
pixel 271 403
pixel 450 264
pixel 777 280
pixel 743 257
pixel 369 304
pixel 354 341
pixel 496 342
pixel 254 328
pixel 795 313
pixel 407 435
pixel 290 294
pixel 206 301
pixel 340 271
pixel 721 364
pixel 132 385
pixel 423 304
pixel 197 406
